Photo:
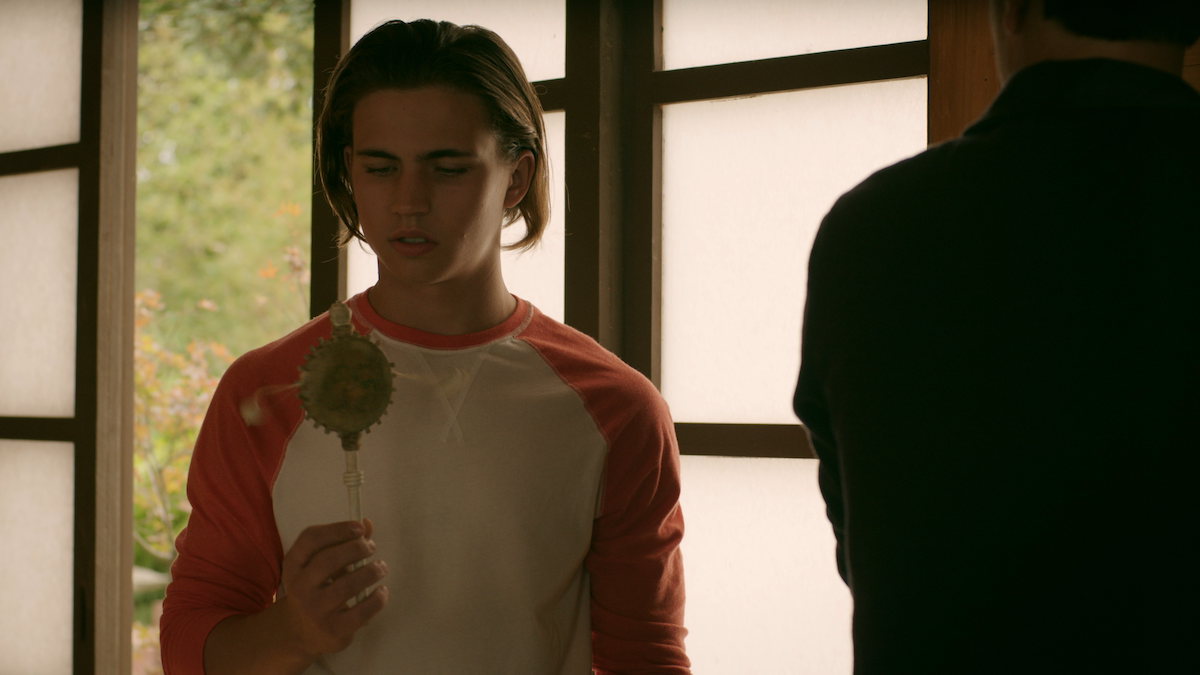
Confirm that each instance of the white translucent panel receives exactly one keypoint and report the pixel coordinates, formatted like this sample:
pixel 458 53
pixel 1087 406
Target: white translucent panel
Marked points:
pixel 41 54
pixel 37 524
pixel 39 224
pixel 763 593
pixel 746 183
pixel 535 275
pixel 534 29
pixel 361 268
pixel 707 32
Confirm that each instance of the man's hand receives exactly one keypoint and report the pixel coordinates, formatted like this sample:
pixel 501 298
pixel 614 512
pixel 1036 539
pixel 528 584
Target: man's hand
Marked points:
pixel 311 617
pixel 318 580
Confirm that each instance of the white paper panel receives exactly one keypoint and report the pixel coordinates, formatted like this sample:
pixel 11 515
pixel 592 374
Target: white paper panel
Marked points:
pixel 763 593
pixel 37 519
pixel 535 275
pixel 39 225
pixel 746 183
pixel 707 32
pixel 40 71
pixel 534 29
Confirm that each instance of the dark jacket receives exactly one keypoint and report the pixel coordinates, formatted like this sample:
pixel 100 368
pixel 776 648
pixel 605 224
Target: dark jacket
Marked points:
pixel 999 373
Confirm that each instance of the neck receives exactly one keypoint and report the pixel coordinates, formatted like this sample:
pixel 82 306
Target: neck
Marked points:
pixel 1025 38
pixel 447 308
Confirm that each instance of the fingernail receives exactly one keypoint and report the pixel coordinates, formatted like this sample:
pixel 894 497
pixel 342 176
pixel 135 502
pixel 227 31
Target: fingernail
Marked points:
pixel 371 545
pixel 356 529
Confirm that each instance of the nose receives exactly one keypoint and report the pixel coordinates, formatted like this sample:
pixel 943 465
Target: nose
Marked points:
pixel 410 194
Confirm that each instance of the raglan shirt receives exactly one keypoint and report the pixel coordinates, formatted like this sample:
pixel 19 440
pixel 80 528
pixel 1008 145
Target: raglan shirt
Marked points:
pixel 523 484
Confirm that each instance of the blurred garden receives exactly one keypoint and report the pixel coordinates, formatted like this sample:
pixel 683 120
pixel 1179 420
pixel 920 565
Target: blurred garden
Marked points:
pixel 223 191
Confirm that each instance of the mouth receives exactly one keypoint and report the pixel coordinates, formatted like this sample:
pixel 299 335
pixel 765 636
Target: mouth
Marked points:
pixel 413 245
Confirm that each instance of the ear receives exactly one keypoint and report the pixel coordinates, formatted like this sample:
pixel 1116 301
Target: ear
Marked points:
pixel 1015 16
pixel 520 178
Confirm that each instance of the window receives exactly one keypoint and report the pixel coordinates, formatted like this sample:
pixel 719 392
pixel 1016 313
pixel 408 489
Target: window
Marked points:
pixel 65 358
pixel 610 91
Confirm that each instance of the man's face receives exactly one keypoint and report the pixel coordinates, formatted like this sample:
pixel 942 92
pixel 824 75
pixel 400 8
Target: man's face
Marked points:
pixel 431 187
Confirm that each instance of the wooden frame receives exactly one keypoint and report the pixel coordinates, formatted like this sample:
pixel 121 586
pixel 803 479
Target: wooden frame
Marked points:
pixel 102 426
pixel 331 39
pixel 111 609
pixel 1191 66
pixel 962 68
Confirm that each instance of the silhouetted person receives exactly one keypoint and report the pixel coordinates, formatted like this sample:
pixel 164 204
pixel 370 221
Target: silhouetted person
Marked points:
pixel 999 364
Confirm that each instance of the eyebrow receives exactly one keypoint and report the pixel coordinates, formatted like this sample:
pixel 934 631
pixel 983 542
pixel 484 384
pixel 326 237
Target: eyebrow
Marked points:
pixel 425 156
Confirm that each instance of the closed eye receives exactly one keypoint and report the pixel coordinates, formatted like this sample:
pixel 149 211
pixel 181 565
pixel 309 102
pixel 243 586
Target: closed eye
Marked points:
pixel 380 170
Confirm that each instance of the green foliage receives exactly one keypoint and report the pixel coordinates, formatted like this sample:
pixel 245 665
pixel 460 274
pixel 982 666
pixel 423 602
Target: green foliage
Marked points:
pixel 172 391
pixel 224 182
pixel 224 159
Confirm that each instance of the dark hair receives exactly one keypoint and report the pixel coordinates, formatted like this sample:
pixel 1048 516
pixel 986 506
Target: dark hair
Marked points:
pixel 1173 21
pixel 399 55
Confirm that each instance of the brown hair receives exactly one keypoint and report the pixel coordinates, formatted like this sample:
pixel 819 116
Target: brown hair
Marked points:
pixel 399 55
pixel 1172 21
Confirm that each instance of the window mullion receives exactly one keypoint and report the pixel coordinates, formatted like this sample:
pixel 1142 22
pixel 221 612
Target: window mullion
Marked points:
pixel 331 39
pixel 641 141
pixel 593 170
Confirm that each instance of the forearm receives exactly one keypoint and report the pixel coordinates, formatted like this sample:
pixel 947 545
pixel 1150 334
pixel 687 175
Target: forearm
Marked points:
pixel 256 644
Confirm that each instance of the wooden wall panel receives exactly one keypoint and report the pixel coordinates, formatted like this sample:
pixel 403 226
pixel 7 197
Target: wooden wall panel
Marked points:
pixel 962 71
pixel 1191 66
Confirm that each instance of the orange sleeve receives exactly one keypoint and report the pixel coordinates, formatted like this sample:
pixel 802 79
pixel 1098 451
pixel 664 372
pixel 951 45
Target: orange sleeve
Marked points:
pixel 634 563
pixel 229 555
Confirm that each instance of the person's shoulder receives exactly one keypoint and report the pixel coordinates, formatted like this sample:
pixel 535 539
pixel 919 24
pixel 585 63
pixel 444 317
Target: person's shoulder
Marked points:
pixel 900 181
pixel 894 197
pixel 586 365
pixel 277 362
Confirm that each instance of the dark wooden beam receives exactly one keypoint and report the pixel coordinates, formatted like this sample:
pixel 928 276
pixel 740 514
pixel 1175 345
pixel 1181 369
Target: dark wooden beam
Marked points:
pixel 331 39
pixel 593 172
pixel 744 440
pixel 642 211
pixel 552 94
pixel 39 159
pixel 1191 66
pixel 62 429
pixel 86 326
pixel 789 73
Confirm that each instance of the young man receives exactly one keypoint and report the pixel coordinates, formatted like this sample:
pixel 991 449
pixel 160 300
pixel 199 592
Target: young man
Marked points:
pixel 523 486
pixel 1000 365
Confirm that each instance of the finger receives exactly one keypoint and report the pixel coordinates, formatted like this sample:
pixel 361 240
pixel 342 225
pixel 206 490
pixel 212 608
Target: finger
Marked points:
pixel 351 619
pixel 316 538
pixel 332 562
pixel 369 528
pixel 350 585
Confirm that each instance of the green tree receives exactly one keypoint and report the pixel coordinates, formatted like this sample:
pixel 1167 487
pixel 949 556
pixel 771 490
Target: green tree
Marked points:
pixel 224 159
pixel 224 182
